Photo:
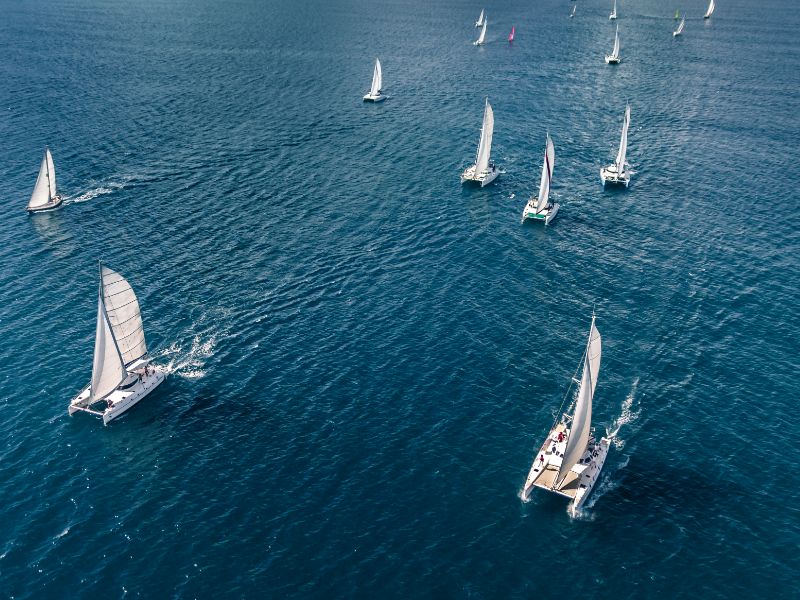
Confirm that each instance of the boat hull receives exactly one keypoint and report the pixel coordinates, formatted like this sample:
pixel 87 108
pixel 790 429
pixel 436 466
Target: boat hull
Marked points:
pixel 612 60
pixel 371 98
pixel 545 216
pixel 123 398
pixel 484 178
pixel 609 175
pixel 52 205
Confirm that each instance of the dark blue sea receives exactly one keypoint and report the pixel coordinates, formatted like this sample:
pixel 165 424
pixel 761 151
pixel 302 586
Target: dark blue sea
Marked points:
pixel 364 355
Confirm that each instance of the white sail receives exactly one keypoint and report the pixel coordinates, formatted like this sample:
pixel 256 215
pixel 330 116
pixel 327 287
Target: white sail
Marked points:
pixel 41 190
pixel 547 174
pixel 582 416
pixel 482 36
pixel 377 79
pixel 122 309
pixel 615 52
pixel 51 172
pixel 108 370
pixel 481 19
pixel 614 12
pixel 485 145
pixel 710 10
pixel 679 30
pixel 623 142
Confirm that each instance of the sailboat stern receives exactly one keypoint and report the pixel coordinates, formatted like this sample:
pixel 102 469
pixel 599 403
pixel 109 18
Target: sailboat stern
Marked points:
pixel 374 98
pixel 53 204
pixel 590 475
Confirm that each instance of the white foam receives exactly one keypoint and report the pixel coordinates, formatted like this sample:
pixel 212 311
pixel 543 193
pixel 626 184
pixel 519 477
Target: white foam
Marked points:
pixel 107 187
pixel 626 416
pixel 189 364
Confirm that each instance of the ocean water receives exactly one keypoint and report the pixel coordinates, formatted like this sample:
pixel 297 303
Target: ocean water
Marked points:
pixel 364 354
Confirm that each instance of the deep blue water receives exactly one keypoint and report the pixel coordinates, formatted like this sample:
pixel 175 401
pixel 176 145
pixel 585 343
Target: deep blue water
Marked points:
pixel 364 354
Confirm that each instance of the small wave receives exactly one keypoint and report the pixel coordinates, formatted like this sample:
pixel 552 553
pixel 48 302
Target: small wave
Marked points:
pixel 190 364
pixel 626 416
pixel 63 533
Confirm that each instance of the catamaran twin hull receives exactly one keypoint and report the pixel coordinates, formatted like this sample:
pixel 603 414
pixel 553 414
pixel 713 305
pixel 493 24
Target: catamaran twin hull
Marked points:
pixel 579 481
pixel 484 177
pixel 546 215
pixel 136 386
pixel 53 204
pixel 610 174
pixel 376 98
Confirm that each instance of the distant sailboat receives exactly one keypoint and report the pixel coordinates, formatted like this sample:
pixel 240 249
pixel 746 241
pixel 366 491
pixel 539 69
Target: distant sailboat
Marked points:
pixel 677 14
pixel 613 14
pixel 539 207
pixel 482 37
pixel 710 11
pixel 511 35
pixel 375 94
pixel 45 196
pixel 614 57
pixel 121 372
pixel 572 14
pixel 620 171
pixel 570 460
pixel 481 20
pixel 483 171
pixel 679 30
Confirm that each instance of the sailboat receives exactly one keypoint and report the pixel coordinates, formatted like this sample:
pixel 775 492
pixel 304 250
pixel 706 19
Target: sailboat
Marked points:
pixel 614 57
pixel 482 37
pixel 121 372
pixel 44 196
pixel 481 20
pixel 677 14
pixel 710 11
pixel 483 171
pixel 620 171
pixel 613 14
pixel 511 35
pixel 572 14
pixel 539 207
pixel 375 94
pixel 570 460
pixel 679 30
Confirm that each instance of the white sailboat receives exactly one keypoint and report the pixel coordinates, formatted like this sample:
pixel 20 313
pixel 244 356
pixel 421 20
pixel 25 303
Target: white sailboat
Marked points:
pixel 482 37
pixel 375 94
pixel 710 11
pixel 620 171
pixel 481 20
pixel 121 371
pixel 539 208
pixel 483 171
pixel 570 460
pixel 45 196
pixel 679 30
pixel 572 14
pixel 613 14
pixel 614 57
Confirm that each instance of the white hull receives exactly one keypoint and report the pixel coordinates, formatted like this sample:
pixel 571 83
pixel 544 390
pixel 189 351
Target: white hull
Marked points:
pixel 609 174
pixel 484 178
pixel 581 479
pixel 138 385
pixel 376 98
pixel 546 215
pixel 53 204
pixel 612 16
pixel 479 43
pixel 612 60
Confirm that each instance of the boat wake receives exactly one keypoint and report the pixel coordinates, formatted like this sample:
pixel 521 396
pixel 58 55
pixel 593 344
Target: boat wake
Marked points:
pixel 626 416
pixel 105 188
pixel 189 364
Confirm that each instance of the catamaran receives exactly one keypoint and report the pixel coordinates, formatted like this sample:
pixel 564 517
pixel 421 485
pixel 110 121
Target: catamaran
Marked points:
pixel 121 372
pixel 375 94
pixel 483 171
pixel 481 20
pixel 614 57
pixel 679 30
pixel 710 11
pixel 44 196
pixel 482 37
pixel 511 35
pixel 572 14
pixel 613 14
pixel 571 459
pixel 539 207
pixel 620 171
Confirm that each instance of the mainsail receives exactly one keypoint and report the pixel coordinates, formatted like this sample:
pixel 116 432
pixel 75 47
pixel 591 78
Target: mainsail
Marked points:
pixel 377 79
pixel 623 142
pixel 108 371
pixel 710 10
pixel 679 30
pixel 45 188
pixel 482 36
pixel 582 416
pixel 122 310
pixel 615 51
pixel 547 174
pixel 485 145
pixel 481 19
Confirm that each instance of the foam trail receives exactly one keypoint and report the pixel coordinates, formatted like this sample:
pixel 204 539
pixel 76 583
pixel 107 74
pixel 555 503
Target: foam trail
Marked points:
pixel 627 416
pixel 102 189
pixel 189 364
